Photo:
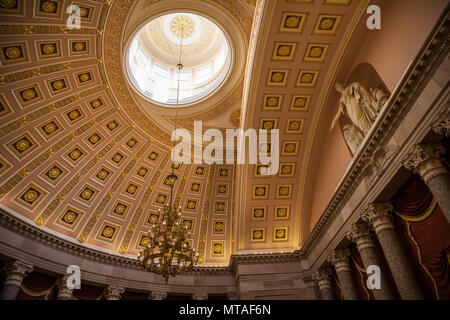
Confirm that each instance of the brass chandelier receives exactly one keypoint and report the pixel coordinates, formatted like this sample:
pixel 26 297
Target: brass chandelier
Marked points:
pixel 168 253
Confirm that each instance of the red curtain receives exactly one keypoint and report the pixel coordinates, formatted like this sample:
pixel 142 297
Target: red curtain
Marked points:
pixel 88 292
pixel 425 233
pixel 129 295
pixel 37 286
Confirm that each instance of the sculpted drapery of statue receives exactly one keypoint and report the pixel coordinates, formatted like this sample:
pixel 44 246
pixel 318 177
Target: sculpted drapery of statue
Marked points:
pixel 353 136
pixel 362 108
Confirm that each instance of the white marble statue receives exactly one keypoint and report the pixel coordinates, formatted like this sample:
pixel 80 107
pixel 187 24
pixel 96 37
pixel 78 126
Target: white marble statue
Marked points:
pixel 353 136
pixel 380 97
pixel 358 104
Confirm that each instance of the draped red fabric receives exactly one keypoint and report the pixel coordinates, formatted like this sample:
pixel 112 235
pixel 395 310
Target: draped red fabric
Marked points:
pixel 88 292
pixel 37 282
pixel 129 295
pixel 427 242
pixel 414 198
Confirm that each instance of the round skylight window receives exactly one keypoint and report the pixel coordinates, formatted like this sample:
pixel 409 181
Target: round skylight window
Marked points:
pixel 154 52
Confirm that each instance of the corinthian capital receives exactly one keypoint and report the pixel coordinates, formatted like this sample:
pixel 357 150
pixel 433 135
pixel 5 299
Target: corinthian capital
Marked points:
pixel 379 216
pixel 16 271
pixel 442 125
pixel 200 296
pixel 322 276
pixel 359 233
pixel 18 268
pixel 426 160
pixel 113 293
pixel 340 258
pixel 155 295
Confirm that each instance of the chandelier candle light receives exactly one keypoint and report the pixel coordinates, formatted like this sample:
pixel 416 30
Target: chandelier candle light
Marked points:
pixel 168 253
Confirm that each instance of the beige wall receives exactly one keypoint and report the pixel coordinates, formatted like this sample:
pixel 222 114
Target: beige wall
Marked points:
pixel 405 26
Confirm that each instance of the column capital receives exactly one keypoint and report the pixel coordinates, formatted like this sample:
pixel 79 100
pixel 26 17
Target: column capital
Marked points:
pixel 359 233
pixel 18 268
pixel 340 258
pixel 15 272
pixel 379 216
pixel 442 124
pixel 426 160
pixel 307 277
pixel 155 295
pixel 113 292
pixel 61 283
pixel 200 296
pixel 322 276
pixel 64 293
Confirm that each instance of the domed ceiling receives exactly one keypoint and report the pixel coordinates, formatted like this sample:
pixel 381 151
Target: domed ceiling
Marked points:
pixel 84 155
pixel 187 40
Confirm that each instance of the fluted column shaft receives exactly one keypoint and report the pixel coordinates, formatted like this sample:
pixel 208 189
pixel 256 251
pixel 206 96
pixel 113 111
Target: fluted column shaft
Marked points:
pixel 427 161
pixel 379 216
pixel 360 235
pixel 340 258
pixel 324 281
pixel 16 271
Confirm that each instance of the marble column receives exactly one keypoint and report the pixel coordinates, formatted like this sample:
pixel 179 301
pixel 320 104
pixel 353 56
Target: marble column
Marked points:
pixel 340 259
pixel 16 271
pixel 427 161
pixel 312 286
pixel 113 292
pixel 200 296
pixel 380 217
pixel 323 278
pixel 155 295
pixel 64 293
pixel 360 235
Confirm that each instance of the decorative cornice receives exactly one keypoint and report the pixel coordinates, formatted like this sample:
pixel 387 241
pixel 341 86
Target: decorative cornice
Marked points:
pixel 239 259
pixel 36 234
pixel 429 58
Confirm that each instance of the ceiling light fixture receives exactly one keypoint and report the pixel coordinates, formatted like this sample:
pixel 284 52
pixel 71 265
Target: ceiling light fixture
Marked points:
pixel 168 252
